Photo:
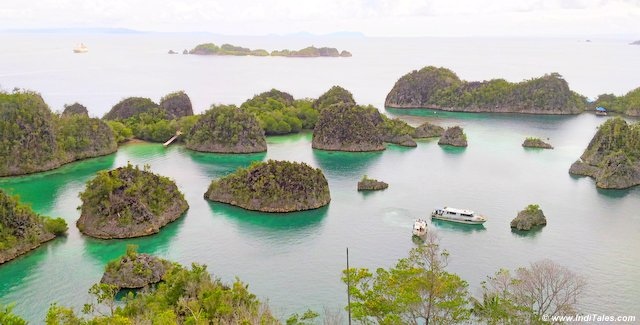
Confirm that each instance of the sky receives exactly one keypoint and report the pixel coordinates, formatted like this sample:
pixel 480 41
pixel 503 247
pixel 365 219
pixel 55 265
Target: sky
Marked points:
pixel 397 18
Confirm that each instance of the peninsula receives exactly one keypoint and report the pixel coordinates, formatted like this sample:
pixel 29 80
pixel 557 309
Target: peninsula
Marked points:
pixel 129 202
pixel 442 89
pixel 272 186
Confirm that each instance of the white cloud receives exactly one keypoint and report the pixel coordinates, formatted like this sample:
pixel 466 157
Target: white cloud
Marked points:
pixel 373 17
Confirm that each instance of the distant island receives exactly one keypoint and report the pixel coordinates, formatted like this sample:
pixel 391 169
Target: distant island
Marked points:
pixel 612 157
pixel 440 88
pixel 272 186
pixel 532 142
pixel 635 43
pixel 228 49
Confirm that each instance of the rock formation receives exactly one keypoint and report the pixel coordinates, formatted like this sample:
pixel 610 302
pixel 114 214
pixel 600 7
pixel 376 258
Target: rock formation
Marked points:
pixel 134 270
pixel 343 127
pixel 128 202
pixel 75 109
pixel 612 157
pixel 529 218
pixel 453 136
pixel 369 184
pixel 440 88
pixel 536 143
pixel 176 104
pixel 428 130
pixel 274 186
pixel 227 129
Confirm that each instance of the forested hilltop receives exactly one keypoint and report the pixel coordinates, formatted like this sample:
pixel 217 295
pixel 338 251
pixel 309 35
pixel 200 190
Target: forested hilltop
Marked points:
pixel 628 104
pixel 228 49
pixel 33 139
pixel 441 88
pixel 22 230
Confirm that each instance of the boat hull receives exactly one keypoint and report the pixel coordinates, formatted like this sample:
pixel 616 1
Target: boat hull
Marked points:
pixel 468 222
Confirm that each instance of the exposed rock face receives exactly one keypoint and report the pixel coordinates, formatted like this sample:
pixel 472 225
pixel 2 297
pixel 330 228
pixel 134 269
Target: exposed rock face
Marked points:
pixel 613 156
pixel 130 107
pixel 135 270
pixel 333 96
pixel 529 218
pixel 75 109
pixel 428 130
pixel 227 129
pixel 368 184
pixel 536 143
pixel 176 105
pixel 274 186
pixel 128 202
pixel 453 136
pixel 345 54
pixel 262 99
pixel 440 88
pixel 397 132
pixel 22 230
pixel 345 127
pixel 32 139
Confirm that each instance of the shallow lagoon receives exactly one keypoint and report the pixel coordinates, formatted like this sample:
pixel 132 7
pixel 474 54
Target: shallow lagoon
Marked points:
pixel 295 260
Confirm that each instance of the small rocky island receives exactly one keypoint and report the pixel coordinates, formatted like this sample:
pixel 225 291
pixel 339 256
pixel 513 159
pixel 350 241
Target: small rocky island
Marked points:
pixel 129 202
pixel 272 186
pixel 635 43
pixel 227 129
pixel 228 49
pixel 612 157
pixel 33 139
pixel 428 130
pixel 23 230
pixel 442 89
pixel 369 184
pixel 536 143
pixel 529 218
pixel 134 270
pixel 453 136
pixel 344 127
pixel 335 95
pixel 75 109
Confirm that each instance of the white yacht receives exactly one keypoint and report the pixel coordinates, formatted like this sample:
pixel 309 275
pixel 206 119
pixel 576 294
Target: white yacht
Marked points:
pixel 80 49
pixel 419 227
pixel 458 215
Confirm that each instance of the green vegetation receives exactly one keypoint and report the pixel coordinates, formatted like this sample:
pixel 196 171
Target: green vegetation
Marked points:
pixel 279 113
pixel 419 290
pixel 441 88
pixel 227 129
pixel 129 202
pixel 186 296
pixel 532 142
pixel 134 270
pixel 9 318
pixel 33 139
pixel 533 208
pixel 121 132
pixel 21 229
pixel 345 127
pixel 272 186
pixel 129 107
pixel 75 108
pixel 628 104
pixel 333 96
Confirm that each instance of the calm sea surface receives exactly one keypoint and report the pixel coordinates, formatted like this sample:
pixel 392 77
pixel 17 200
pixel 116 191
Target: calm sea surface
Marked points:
pixel 295 260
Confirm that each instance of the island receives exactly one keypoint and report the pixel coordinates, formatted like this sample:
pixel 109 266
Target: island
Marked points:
pixel 442 89
pixel 279 113
pixel 344 127
pixel 134 270
pixel 628 104
pixel 370 184
pixel 272 186
pixel 228 49
pixel 176 105
pixel 335 95
pixel 529 218
pixel 427 130
pixel 75 109
pixel 23 230
pixel 33 139
pixel 532 142
pixel 612 157
pixel 397 132
pixel 635 43
pixel 227 129
pixel 453 136
pixel 129 202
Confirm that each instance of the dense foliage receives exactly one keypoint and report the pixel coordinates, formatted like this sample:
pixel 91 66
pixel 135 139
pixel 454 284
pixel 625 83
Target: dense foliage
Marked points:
pixel 279 113
pixel 227 129
pixel 441 88
pixel 335 95
pixel 122 202
pixel 348 128
pixel 186 296
pixel 614 136
pixel 134 270
pixel 33 139
pixel 273 186
pixel 21 228
pixel 627 104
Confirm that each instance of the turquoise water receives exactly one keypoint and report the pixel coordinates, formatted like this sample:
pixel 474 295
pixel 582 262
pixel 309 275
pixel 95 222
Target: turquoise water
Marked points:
pixel 295 260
